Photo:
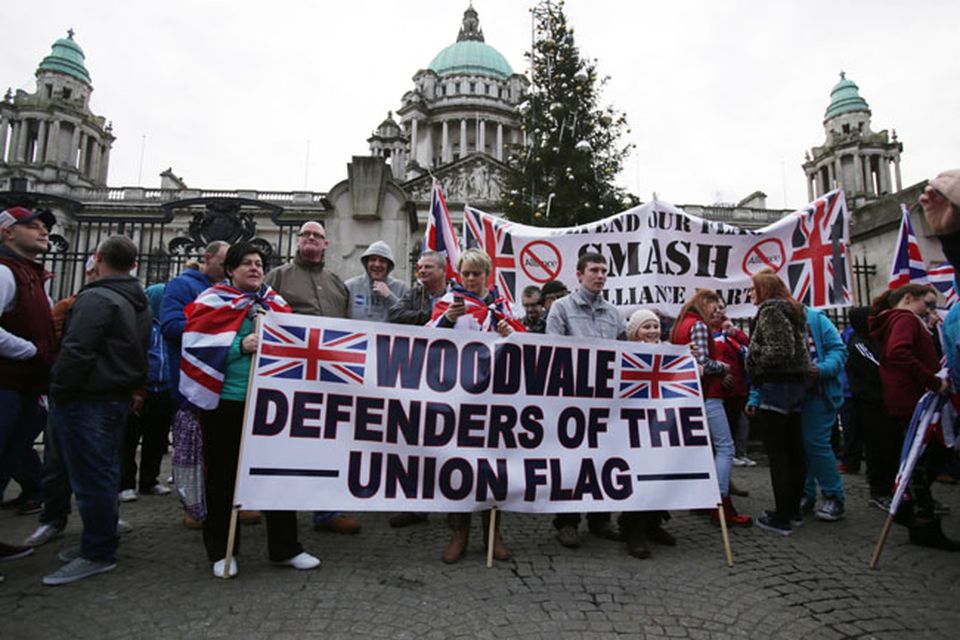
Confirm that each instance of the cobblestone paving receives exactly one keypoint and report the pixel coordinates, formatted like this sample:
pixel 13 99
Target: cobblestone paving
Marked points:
pixel 389 583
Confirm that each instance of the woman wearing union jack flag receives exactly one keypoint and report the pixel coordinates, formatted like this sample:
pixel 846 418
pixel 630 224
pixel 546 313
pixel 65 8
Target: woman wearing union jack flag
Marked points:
pixel 218 345
pixel 472 307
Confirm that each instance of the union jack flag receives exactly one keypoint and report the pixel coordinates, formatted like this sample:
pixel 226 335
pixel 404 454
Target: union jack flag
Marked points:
pixel 944 278
pixel 312 353
pixel 656 376
pixel 818 271
pixel 907 263
pixel 440 236
pixel 492 235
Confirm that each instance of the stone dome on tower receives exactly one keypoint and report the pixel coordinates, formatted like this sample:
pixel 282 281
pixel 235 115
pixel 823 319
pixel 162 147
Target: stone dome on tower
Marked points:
pixel 66 57
pixel 470 54
pixel 845 98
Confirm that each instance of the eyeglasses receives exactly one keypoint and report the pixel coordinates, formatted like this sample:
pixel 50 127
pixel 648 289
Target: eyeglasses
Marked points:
pixel 312 234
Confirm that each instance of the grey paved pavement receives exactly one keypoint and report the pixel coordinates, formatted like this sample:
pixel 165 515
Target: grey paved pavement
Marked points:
pixel 388 583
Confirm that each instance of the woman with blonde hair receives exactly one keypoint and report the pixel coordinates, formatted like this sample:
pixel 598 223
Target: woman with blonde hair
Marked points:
pixel 693 327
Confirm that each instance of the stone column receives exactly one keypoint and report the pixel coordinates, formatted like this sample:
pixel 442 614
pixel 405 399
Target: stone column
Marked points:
pixel 104 162
pixel 4 124
pixel 810 188
pixel 42 126
pixel 463 138
pixel 22 136
pixel 413 141
pixel 499 153
pixel 896 169
pixel 95 162
pixel 858 173
pixel 883 173
pixel 871 189
pixel 74 148
pixel 53 143
pixel 482 141
pixel 445 143
pixel 82 157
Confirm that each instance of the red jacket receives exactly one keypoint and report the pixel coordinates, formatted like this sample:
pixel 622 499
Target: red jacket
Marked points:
pixel 712 387
pixel 728 345
pixel 908 360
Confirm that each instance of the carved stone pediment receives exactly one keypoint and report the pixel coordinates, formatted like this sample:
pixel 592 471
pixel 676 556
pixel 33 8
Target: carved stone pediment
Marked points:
pixel 475 180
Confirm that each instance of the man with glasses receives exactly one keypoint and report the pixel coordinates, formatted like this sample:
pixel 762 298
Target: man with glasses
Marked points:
pixel 313 290
pixel 533 317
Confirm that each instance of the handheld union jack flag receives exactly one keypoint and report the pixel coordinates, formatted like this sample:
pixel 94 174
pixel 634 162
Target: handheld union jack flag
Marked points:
pixel 492 235
pixel 944 279
pixel 818 271
pixel 312 353
pixel 656 376
pixel 907 266
pixel 440 236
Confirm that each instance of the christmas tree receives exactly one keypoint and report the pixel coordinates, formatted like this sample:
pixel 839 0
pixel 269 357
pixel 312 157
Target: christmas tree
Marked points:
pixel 564 169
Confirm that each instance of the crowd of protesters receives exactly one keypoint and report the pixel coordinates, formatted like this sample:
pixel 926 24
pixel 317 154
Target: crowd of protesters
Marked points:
pixel 112 370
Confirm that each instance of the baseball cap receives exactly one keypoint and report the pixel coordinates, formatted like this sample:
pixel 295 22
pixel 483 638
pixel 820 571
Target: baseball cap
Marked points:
pixel 16 215
pixel 948 183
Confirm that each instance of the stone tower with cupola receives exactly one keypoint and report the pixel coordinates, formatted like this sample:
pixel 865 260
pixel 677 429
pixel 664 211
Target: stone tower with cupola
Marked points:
pixel 853 157
pixel 51 137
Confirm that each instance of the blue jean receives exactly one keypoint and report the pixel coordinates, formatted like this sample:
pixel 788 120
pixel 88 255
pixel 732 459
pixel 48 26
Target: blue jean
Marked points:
pixel 21 421
pixel 816 423
pixel 56 483
pixel 90 435
pixel 722 441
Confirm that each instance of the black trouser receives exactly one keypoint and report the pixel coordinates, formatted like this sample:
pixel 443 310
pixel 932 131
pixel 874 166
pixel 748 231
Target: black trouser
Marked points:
pixel 633 523
pixel 594 519
pixel 883 439
pixel 852 442
pixel 222 430
pixel 918 509
pixel 152 426
pixel 784 443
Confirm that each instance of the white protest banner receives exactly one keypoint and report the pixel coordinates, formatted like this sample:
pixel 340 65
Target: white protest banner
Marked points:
pixel 363 416
pixel 659 255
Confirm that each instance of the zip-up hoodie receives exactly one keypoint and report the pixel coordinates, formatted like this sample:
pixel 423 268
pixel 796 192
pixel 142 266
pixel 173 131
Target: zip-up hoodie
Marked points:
pixel 104 351
pixel 908 359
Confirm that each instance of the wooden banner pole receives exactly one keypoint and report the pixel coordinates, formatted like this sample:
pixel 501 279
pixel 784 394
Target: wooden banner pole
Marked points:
pixel 726 536
pixel 234 512
pixel 882 541
pixel 491 532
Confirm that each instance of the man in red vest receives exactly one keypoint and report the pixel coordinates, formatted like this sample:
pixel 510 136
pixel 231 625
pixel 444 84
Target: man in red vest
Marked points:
pixel 26 338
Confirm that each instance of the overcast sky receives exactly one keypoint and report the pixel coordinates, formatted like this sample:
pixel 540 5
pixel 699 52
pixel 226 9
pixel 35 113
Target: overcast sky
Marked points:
pixel 723 98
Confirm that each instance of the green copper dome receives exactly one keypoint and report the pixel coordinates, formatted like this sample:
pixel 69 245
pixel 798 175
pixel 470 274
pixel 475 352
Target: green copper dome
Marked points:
pixel 66 57
pixel 844 98
pixel 470 56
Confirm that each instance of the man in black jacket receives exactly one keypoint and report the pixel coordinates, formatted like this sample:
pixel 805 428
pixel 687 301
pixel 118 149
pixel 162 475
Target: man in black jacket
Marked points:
pixel 416 305
pixel 102 362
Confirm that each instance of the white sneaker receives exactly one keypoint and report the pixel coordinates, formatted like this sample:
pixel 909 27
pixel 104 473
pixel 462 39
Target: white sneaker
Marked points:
pixel 44 534
pixel 128 495
pixel 220 564
pixel 123 526
pixel 303 561
pixel 158 490
pixel 738 462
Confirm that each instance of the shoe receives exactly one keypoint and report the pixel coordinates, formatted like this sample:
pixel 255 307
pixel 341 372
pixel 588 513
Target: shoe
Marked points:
pixel 847 468
pixel 170 480
pixel 767 522
pixel 796 521
pixel 945 478
pixel 248 517
pixel 29 507
pixel 941 509
pixel 807 504
pixel 77 569
pixel 68 554
pixel 123 526
pixel 190 522
pixel 605 529
pixel 44 534
pixel 637 545
pixel 407 519
pixel 737 491
pixel 931 535
pixel 128 495
pixel 14 503
pixel 303 561
pixel 831 510
pixel 456 547
pixel 880 502
pixel 219 565
pixel 339 524
pixel 13 552
pixel 569 537
pixel 658 534
pixel 730 514
pixel 157 490
pixel 738 462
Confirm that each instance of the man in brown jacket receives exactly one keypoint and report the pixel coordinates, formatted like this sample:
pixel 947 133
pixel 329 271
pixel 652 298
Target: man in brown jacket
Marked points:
pixel 312 290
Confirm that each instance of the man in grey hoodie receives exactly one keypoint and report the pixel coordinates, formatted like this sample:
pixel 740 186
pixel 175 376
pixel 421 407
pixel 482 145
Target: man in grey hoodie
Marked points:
pixel 102 362
pixel 373 293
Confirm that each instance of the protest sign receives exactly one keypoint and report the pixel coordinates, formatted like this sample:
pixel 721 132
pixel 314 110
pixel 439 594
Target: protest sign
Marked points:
pixel 659 255
pixel 363 416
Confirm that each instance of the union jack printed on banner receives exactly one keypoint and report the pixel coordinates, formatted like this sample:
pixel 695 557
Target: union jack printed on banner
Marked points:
pixel 492 235
pixel 656 376
pixel 312 353
pixel 943 278
pixel 818 271
pixel 440 236
pixel 907 266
